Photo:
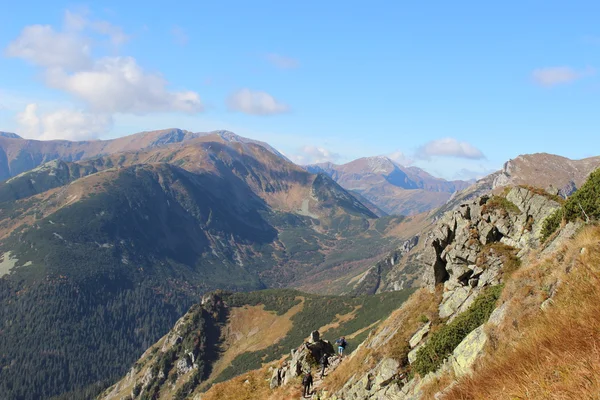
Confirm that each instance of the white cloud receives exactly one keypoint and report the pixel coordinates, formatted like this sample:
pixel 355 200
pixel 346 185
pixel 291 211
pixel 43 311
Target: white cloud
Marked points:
pixel 179 35
pixel 552 76
pixel 401 158
pixel 62 124
pixel 313 155
pixel 119 84
pixel 449 147
pixel 106 84
pixel 29 121
pixel 282 62
pixel 41 45
pixel 255 103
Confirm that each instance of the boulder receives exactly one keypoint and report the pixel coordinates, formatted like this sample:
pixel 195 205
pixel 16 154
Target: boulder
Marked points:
pixel 467 352
pixel 418 337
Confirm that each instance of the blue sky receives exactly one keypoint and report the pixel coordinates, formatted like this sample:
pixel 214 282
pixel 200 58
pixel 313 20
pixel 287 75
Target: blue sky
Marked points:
pixel 454 87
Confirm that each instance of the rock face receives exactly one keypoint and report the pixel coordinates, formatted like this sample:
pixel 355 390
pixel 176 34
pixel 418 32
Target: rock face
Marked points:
pixel 304 358
pixel 468 247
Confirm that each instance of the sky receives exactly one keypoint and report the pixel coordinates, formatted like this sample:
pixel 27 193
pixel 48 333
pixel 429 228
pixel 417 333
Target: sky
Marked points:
pixel 456 88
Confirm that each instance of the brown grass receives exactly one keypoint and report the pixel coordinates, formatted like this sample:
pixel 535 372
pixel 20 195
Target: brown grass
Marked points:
pixel 251 328
pixel 407 318
pixel 506 253
pixel 546 355
pixel 253 385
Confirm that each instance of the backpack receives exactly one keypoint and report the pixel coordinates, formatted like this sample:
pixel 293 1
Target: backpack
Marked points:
pixel 307 380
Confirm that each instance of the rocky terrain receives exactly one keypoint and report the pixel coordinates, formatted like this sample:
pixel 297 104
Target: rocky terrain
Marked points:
pixel 559 177
pixel 469 254
pixel 391 187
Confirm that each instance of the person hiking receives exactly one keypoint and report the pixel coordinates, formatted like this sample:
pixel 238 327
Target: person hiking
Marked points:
pixel 341 342
pixel 324 361
pixel 307 382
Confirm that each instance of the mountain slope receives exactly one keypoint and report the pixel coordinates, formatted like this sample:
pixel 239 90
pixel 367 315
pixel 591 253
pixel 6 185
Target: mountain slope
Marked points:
pixel 112 250
pixel 248 330
pixel 393 188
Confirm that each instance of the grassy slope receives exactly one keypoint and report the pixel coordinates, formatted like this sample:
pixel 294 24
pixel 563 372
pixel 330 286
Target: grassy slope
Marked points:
pixel 318 311
pixel 261 327
pixel 406 319
pixel 551 354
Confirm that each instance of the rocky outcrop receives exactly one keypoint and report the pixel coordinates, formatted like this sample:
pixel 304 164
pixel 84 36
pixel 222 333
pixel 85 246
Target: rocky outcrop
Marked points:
pixel 304 358
pixel 469 246
pixel 468 250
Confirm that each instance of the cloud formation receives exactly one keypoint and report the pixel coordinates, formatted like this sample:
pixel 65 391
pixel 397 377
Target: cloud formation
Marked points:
pixel 62 124
pixel 314 155
pixel 553 76
pixel 114 84
pixel 255 102
pixel 282 62
pixel 120 85
pixel 41 45
pixel 449 147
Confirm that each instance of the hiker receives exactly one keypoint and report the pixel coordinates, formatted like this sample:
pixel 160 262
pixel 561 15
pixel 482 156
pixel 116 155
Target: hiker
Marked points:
pixel 341 342
pixel 324 361
pixel 307 382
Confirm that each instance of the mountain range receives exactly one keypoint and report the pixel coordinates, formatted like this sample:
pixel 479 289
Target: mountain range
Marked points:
pixel 391 187
pixel 100 256
pixel 104 245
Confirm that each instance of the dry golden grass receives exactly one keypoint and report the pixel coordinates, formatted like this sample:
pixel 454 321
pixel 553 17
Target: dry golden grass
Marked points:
pixel 407 318
pixel 251 328
pixel 340 319
pixel 546 355
pixel 253 385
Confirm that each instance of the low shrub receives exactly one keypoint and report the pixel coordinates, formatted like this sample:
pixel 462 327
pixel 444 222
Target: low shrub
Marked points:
pixel 583 204
pixel 551 224
pixel 443 342
pixel 501 204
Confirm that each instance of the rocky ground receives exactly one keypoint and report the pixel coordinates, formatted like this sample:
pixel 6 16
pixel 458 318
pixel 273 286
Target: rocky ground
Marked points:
pixel 470 250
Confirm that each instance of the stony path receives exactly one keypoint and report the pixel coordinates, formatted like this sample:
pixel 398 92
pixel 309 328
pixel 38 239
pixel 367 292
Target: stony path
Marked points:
pixel 318 382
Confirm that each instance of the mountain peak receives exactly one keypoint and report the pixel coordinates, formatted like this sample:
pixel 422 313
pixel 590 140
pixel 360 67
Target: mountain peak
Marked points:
pixel 10 135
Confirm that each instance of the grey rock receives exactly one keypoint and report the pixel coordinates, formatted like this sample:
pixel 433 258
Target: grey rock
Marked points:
pixel 419 335
pixel 467 352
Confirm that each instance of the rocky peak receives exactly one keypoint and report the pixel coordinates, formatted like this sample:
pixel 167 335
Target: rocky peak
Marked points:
pixel 468 247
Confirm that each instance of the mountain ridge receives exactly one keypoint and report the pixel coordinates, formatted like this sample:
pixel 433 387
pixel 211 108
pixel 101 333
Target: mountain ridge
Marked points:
pixel 390 186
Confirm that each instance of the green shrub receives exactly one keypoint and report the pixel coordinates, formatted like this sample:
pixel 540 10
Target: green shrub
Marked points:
pixel 583 204
pixel 588 197
pixel 443 342
pixel 551 224
pixel 501 204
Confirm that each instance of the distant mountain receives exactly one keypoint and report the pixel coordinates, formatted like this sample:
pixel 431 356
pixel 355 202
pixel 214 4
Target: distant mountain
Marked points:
pixel 393 188
pixel 18 155
pixel 10 135
pixel 99 257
